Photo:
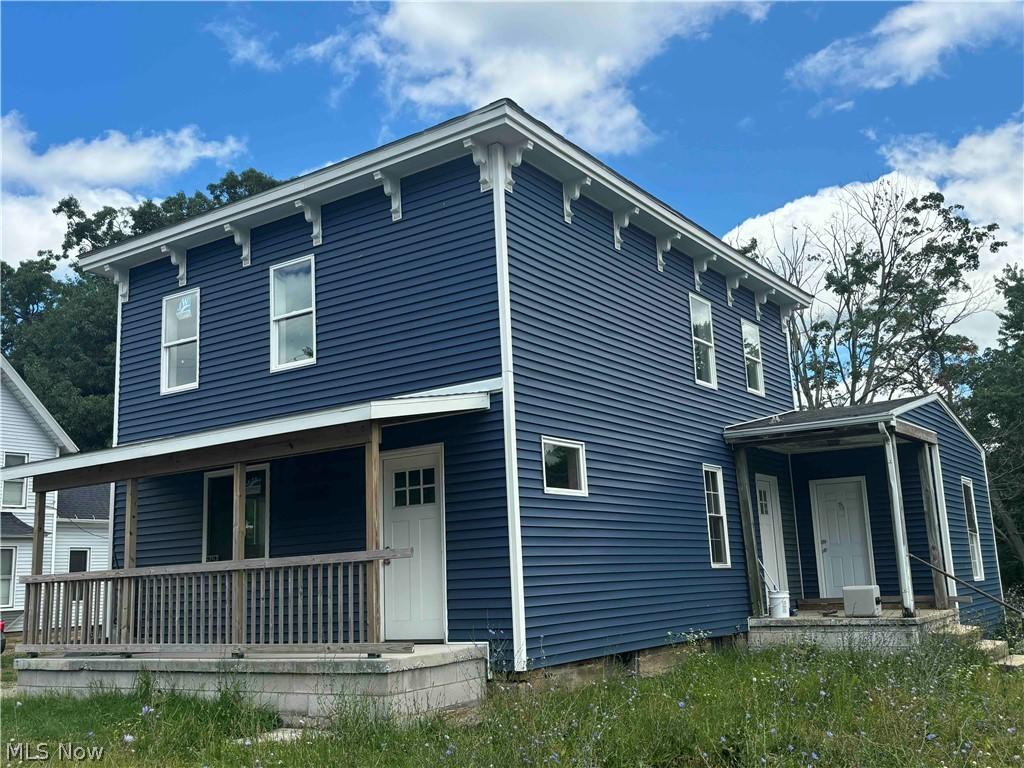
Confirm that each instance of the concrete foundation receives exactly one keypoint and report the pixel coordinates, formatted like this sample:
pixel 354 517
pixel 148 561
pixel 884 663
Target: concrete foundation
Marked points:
pixel 298 686
pixel 889 632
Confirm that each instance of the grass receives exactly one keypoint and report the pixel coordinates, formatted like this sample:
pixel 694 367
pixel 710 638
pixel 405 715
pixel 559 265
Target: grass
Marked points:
pixel 940 705
pixel 7 673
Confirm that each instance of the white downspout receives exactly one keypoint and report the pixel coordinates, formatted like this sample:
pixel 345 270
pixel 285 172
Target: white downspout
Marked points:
pixel 899 523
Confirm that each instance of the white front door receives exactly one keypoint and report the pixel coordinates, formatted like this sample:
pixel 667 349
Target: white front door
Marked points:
pixel 414 517
pixel 843 538
pixel 769 520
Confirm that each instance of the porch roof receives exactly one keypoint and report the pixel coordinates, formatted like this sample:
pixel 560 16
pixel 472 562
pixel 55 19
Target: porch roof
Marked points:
pixel 310 432
pixel 849 426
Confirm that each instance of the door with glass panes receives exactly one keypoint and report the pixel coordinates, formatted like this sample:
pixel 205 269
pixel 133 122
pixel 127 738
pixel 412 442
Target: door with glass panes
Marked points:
pixel 218 514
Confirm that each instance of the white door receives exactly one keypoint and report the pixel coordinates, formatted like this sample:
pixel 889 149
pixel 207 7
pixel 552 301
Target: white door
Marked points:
pixel 414 517
pixel 769 520
pixel 843 537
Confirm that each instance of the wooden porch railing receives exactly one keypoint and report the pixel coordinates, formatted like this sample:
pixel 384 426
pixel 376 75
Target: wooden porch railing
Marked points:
pixel 306 603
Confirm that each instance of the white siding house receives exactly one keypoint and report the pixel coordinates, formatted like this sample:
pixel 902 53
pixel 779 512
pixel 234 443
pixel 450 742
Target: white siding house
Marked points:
pixel 28 432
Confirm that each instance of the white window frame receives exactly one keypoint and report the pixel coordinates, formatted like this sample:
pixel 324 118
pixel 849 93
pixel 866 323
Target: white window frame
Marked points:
pixel 717 470
pixel 14 575
pixel 274 320
pixel 583 490
pixel 973 537
pixel 165 345
pixel 747 325
pixel 23 481
pixel 88 558
pixel 265 468
pixel 694 341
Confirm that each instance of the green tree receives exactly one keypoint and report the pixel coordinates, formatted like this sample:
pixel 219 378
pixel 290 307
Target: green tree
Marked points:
pixel 58 325
pixel 994 412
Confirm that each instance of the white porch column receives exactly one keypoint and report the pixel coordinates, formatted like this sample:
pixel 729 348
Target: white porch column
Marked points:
pixel 899 523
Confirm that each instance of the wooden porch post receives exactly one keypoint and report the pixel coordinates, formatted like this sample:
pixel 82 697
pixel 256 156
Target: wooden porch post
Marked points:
pixel 31 625
pixel 126 590
pixel 374 502
pixel 755 582
pixel 931 520
pixel 899 524
pixel 238 554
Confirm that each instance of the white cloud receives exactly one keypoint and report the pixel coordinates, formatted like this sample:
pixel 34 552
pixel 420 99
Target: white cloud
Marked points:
pixel 106 170
pixel 244 45
pixel 569 63
pixel 983 171
pixel 907 45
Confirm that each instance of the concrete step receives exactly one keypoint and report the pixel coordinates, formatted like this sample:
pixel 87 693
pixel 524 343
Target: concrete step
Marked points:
pixel 1012 663
pixel 960 631
pixel 994 649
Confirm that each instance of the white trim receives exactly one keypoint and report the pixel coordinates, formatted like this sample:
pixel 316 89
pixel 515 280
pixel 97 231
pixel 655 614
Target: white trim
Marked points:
pixel 117 372
pixel 812 488
pixel 24 481
pixel 275 320
pixel 934 398
pixel 14 574
pixel 796 522
pixel 88 559
pixel 773 485
pixel 392 408
pixel 578 445
pixel 744 325
pixel 469 387
pixel 110 527
pixel 977 568
pixel 496 158
pixel 437 450
pixel 717 470
pixel 992 524
pixel 499 121
pixel 33 402
pixel 713 384
pixel 940 501
pixel 164 345
pixel 263 467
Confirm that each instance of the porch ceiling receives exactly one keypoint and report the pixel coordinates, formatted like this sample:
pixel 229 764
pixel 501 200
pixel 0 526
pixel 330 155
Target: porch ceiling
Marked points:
pixel 253 441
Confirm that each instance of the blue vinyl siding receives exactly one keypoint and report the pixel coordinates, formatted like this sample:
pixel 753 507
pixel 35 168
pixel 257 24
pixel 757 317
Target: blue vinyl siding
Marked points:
pixel 960 457
pixel 401 307
pixel 777 465
pixel 602 354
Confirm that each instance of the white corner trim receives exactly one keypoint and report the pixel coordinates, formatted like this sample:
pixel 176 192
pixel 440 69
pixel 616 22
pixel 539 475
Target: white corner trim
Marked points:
pixel 663 246
pixel 42 414
pixel 241 234
pixel 620 220
pixel 311 211
pixel 571 191
pixel 392 188
pixel 179 258
pixel 117 372
pixel 496 160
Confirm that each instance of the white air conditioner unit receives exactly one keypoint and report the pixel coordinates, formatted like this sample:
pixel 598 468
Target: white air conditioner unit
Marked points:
pixel 862 601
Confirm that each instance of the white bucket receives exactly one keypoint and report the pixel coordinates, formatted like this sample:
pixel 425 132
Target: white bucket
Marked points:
pixel 778 604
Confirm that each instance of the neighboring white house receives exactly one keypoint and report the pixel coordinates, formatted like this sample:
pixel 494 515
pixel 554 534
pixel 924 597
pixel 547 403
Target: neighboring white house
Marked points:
pixel 76 521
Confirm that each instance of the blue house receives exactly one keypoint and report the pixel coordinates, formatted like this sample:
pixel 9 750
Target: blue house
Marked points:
pixel 474 385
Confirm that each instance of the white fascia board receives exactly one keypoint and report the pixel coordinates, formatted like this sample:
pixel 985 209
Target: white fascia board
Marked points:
pixel 501 121
pixel 45 418
pixel 392 408
pixel 773 429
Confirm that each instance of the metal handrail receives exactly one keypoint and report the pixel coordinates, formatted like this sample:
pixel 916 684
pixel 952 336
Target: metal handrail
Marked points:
pixel 967 584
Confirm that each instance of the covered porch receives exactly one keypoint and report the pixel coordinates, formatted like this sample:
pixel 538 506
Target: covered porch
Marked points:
pixel 846 497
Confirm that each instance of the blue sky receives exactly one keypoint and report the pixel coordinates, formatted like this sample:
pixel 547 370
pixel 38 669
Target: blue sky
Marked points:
pixel 729 112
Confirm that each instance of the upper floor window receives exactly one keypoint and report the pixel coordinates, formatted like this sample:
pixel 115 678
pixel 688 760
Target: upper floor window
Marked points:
pixel 292 314
pixel 565 466
pixel 718 530
pixel 973 535
pixel 752 357
pixel 703 341
pixel 180 342
pixel 14 490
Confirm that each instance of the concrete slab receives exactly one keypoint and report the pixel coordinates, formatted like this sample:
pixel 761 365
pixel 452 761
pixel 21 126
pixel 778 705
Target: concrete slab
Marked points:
pixel 889 632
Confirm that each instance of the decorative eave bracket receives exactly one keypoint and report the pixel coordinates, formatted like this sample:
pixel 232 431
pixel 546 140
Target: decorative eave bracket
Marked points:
pixel 785 312
pixel 481 158
pixel 760 297
pixel 663 246
pixel 732 282
pixel 120 277
pixel 620 220
pixel 392 188
pixel 700 265
pixel 179 258
pixel 571 190
pixel 241 235
pixel 311 210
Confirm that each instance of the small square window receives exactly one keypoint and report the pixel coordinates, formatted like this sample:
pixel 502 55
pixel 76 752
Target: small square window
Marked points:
pixel 415 486
pixel 565 466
